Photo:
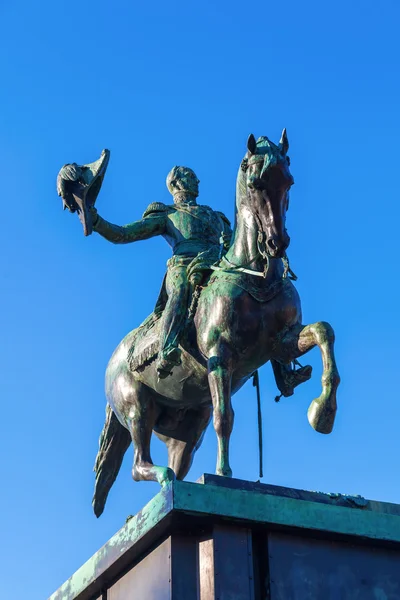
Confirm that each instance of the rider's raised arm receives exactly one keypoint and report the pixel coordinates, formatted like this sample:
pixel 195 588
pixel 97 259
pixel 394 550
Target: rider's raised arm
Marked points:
pixel 152 223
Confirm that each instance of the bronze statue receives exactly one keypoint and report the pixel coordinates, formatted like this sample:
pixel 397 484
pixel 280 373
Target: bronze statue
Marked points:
pixel 183 364
pixel 195 234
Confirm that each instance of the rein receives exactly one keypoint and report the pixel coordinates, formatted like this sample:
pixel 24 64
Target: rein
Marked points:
pixel 236 269
pixel 232 268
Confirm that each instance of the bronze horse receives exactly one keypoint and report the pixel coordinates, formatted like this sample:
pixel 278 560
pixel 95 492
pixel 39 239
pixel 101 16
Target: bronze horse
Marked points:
pixel 247 314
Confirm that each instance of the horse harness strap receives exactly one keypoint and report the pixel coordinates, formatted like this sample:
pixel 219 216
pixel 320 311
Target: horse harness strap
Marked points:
pixel 234 269
pixel 263 253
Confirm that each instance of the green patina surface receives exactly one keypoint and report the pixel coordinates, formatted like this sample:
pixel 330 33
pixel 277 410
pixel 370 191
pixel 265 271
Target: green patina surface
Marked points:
pixel 138 526
pixel 206 336
pixel 373 520
pixel 287 512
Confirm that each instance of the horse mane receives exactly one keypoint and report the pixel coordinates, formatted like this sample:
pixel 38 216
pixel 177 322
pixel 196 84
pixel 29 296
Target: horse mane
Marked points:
pixel 240 192
pixel 241 187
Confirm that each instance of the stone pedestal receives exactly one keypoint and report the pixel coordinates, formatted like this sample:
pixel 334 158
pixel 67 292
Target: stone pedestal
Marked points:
pixel 227 539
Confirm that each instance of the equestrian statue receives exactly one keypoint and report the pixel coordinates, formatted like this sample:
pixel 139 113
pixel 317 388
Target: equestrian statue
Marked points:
pixel 226 307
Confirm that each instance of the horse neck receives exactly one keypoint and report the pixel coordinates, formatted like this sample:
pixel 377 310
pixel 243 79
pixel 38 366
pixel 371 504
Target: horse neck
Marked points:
pixel 243 251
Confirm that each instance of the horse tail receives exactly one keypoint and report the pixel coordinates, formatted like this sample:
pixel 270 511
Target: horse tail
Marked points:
pixel 113 443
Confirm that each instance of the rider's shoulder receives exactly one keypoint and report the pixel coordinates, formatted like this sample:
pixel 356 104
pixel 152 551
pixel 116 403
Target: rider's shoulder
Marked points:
pixel 156 207
pixel 223 217
pixel 216 212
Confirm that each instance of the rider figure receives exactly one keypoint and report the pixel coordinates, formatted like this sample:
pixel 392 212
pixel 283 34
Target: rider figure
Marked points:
pixel 196 233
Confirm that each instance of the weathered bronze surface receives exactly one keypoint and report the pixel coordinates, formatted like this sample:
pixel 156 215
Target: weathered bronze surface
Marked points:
pixel 208 334
pixel 79 185
pixel 226 538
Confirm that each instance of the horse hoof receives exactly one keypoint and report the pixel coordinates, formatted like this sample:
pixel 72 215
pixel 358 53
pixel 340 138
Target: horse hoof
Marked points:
pixel 149 472
pixel 166 476
pixel 320 417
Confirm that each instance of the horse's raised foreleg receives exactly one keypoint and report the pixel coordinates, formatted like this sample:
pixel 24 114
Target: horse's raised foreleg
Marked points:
pixel 142 417
pixel 219 378
pixel 299 340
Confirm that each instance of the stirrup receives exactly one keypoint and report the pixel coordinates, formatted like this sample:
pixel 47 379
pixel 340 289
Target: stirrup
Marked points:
pixel 295 378
pixel 166 363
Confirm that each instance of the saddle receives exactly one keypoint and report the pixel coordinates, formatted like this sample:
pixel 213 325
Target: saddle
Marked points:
pixel 200 275
pixel 198 272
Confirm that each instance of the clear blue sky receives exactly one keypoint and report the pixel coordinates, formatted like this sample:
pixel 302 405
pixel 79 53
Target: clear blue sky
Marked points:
pixel 164 83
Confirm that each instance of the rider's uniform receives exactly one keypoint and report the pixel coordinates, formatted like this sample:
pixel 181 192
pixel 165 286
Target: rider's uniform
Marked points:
pixel 190 229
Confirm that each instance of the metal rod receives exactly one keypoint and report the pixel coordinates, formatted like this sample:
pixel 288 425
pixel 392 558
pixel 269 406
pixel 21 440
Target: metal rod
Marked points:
pixel 256 384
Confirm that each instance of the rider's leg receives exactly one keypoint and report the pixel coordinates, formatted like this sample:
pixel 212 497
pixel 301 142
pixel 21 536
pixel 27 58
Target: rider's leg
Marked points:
pixel 173 320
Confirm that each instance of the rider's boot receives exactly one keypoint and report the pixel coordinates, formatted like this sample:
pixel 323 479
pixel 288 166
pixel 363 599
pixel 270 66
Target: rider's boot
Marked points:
pixel 287 377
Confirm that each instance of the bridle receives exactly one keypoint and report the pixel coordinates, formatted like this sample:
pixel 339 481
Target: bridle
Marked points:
pixel 263 252
pixel 232 268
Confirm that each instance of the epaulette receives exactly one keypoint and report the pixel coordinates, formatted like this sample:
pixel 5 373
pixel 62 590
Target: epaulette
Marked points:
pixel 223 217
pixel 155 207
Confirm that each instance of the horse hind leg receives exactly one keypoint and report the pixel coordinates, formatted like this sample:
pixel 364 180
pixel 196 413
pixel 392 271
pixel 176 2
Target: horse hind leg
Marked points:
pixel 141 418
pixel 183 442
pixel 299 340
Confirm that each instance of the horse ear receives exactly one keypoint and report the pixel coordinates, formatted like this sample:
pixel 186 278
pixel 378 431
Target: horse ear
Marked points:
pixel 284 142
pixel 251 144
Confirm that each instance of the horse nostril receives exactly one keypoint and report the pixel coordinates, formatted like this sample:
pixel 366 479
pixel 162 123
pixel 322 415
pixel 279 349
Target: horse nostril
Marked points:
pixel 272 245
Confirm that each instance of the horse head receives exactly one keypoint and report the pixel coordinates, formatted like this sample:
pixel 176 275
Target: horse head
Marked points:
pixel 267 182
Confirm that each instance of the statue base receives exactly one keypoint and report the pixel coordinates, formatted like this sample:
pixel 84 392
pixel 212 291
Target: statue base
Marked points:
pixel 229 539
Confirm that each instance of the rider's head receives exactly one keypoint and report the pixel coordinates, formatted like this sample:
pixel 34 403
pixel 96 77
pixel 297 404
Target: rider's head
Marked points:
pixel 183 184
